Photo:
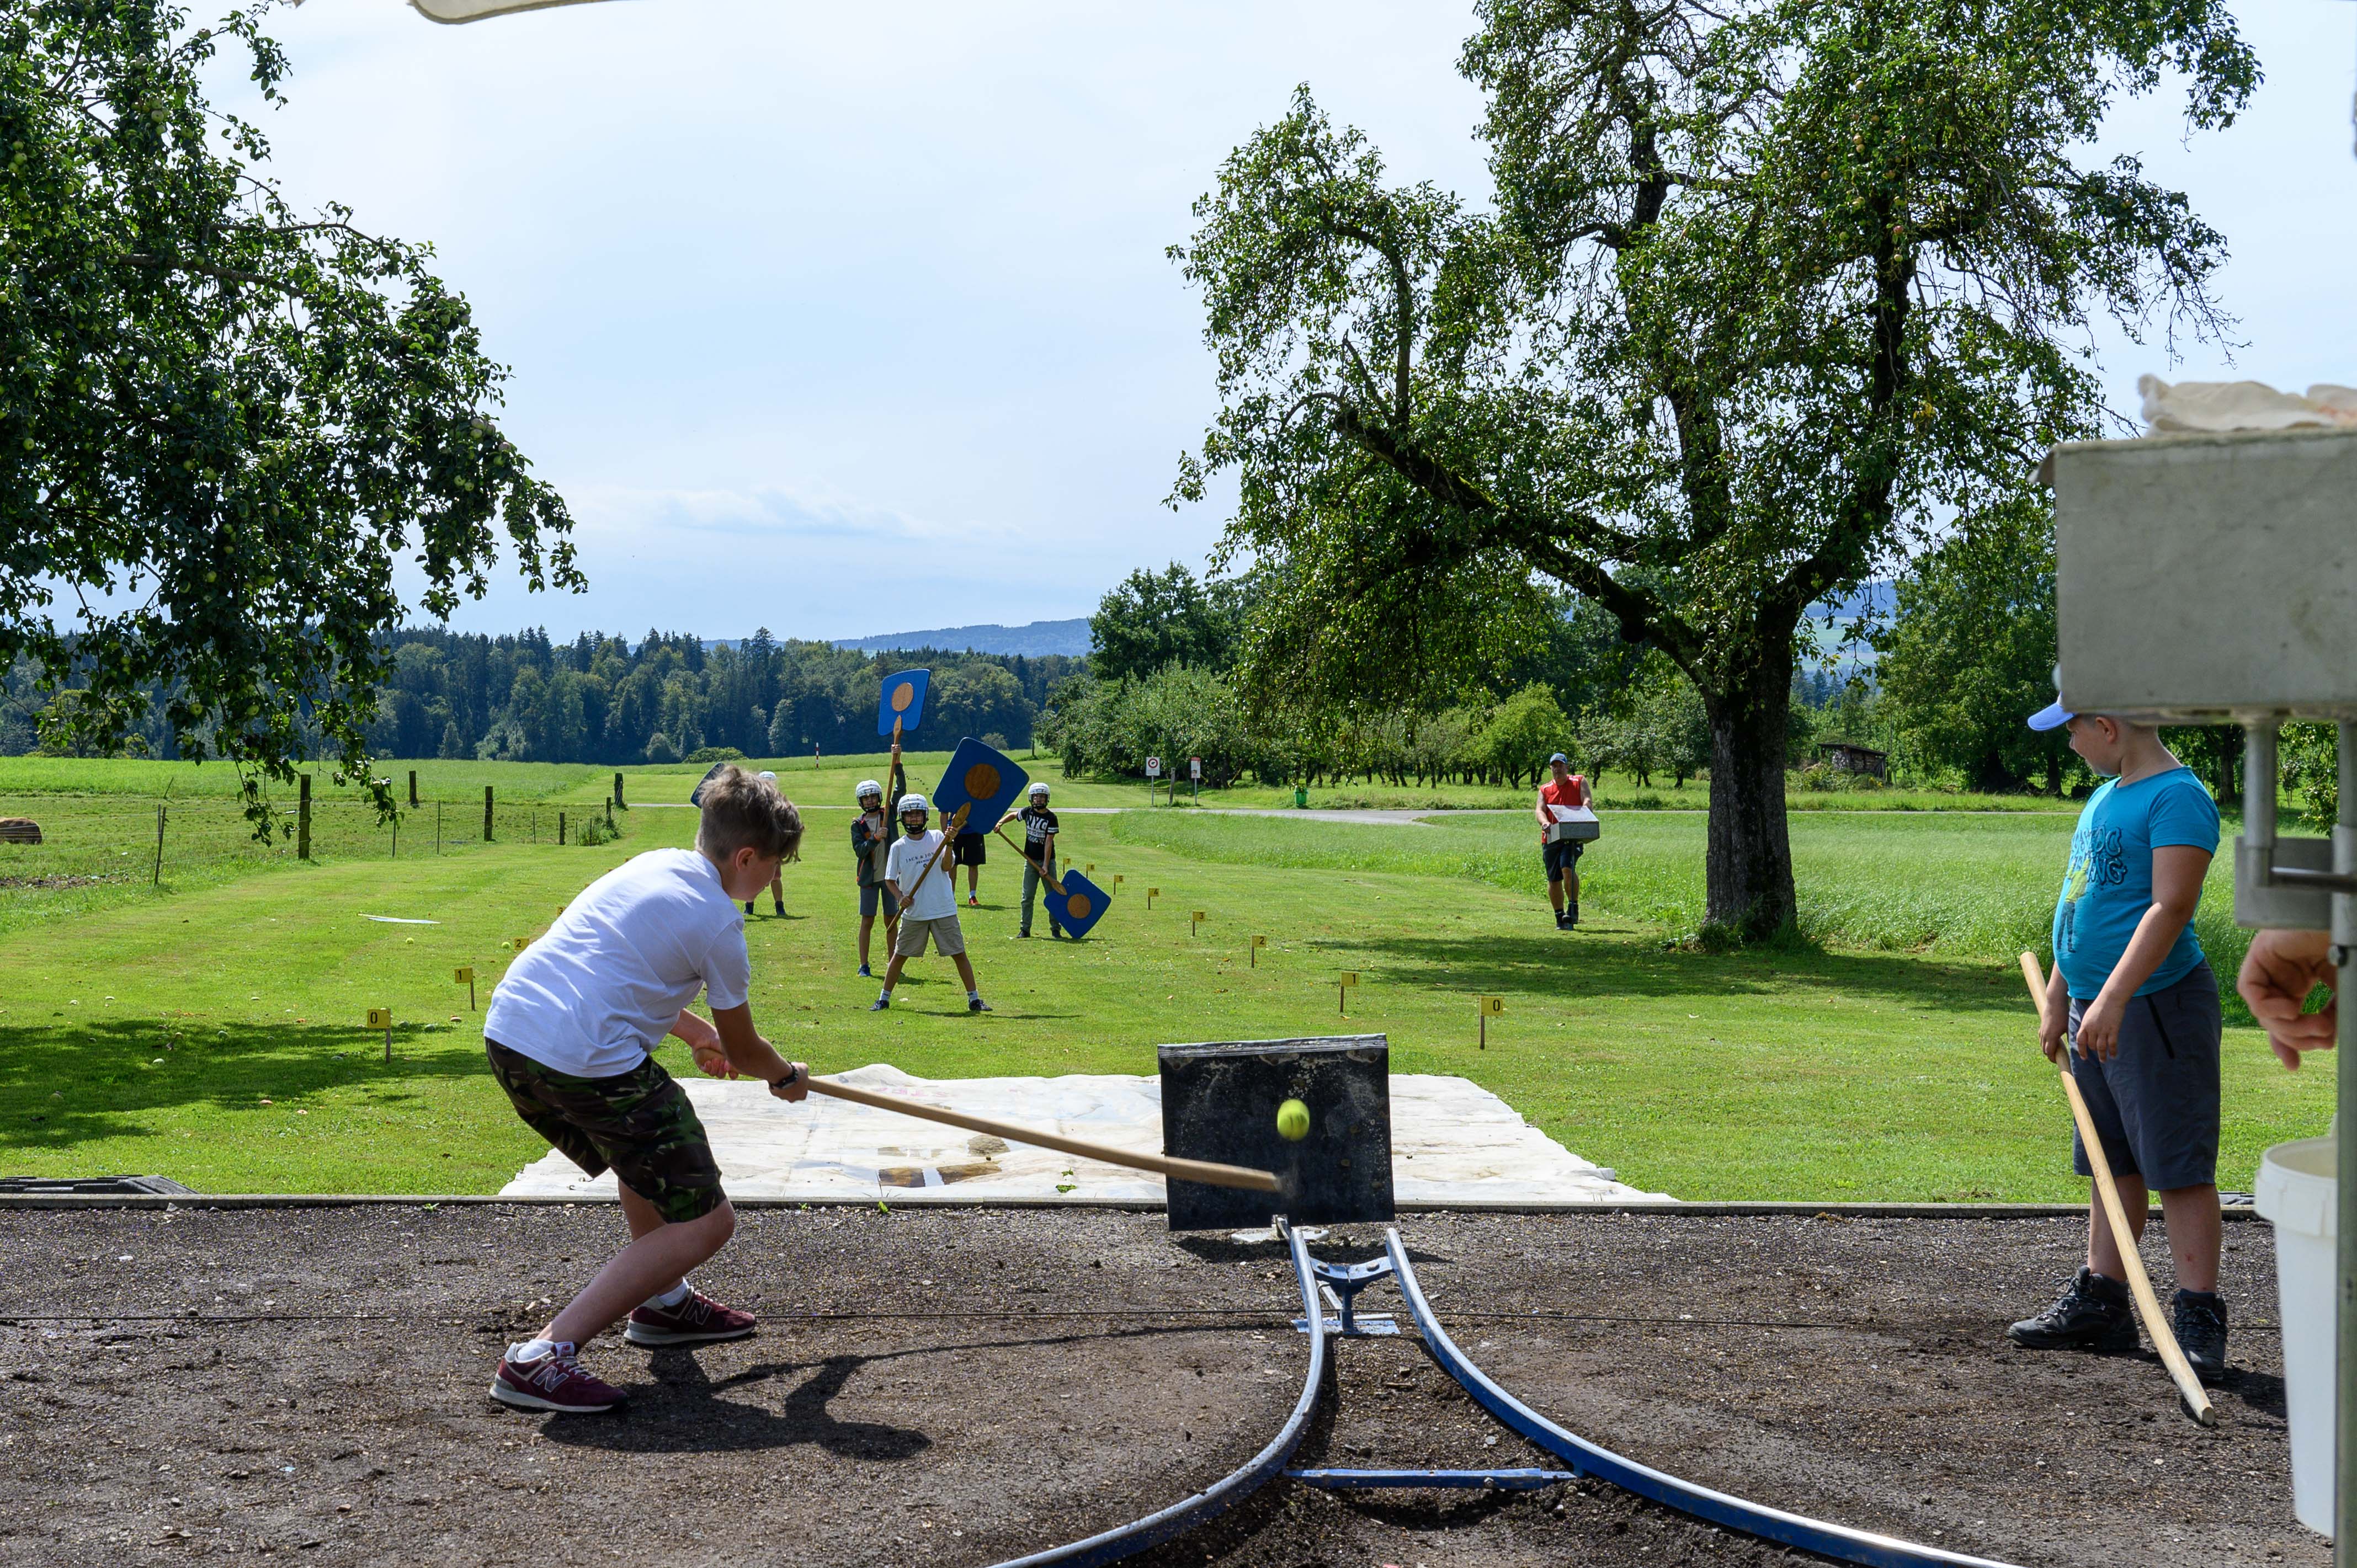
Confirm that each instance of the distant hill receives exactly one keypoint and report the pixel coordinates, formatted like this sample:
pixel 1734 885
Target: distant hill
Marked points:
pixel 1066 636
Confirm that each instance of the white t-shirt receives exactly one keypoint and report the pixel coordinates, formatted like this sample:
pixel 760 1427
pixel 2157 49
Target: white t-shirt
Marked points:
pixel 594 995
pixel 937 899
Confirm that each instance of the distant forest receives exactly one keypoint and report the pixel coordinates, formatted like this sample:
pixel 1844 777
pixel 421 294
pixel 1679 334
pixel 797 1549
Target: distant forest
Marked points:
pixel 602 699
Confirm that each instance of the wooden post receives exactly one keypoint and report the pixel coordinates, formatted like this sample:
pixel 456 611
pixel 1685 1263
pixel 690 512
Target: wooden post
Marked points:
pixel 157 880
pixel 303 818
pixel 412 788
pixel 437 827
pixel 396 838
pixel 486 814
pixel 560 829
pixel 618 795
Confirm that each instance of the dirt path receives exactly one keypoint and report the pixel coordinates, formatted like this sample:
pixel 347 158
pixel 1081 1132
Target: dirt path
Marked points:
pixel 954 1389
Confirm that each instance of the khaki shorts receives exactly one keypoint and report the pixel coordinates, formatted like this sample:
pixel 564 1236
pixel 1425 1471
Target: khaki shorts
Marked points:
pixel 944 931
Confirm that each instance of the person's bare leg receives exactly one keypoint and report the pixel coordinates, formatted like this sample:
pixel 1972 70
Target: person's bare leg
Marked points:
pixel 866 926
pixel 649 1265
pixel 2103 1253
pixel 892 971
pixel 1555 896
pixel 2196 1232
pixel 965 970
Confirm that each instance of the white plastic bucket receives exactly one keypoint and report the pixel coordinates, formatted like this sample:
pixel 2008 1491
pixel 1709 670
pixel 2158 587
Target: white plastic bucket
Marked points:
pixel 2298 1192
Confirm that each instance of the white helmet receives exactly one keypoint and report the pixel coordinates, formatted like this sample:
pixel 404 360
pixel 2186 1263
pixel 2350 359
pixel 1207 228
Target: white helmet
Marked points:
pixel 867 786
pixel 1038 791
pixel 768 777
pixel 913 804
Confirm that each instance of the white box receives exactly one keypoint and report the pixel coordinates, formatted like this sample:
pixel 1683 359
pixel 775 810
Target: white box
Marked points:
pixel 2202 578
pixel 1575 824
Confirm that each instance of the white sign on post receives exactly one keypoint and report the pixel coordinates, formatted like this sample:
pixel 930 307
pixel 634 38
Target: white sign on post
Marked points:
pixel 1154 767
pixel 1194 767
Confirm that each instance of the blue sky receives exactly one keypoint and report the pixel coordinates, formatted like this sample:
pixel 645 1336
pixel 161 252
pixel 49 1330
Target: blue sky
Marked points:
pixel 847 320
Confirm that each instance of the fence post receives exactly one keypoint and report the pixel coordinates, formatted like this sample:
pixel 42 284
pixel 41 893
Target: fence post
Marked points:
pixel 486 814
pixel 560 829
pixel 157 881
pixel 437 827
pixel 412 788
pixel 303 818
pixel 617 794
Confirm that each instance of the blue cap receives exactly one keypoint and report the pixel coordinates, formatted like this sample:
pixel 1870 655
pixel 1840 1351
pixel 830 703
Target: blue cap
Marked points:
pixel 1558 756
pixel 2053 715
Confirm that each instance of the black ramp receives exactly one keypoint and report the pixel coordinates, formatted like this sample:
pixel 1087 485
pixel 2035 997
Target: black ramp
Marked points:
pixel 1220 1101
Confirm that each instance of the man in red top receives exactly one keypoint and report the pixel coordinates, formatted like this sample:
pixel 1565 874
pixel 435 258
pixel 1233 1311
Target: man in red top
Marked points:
pixel 1566 788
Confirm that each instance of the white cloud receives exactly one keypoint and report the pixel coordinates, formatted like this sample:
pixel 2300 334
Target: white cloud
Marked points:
pixel 816 311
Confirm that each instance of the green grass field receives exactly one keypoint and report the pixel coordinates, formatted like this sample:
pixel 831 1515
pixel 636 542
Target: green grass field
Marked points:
pixel 212 1030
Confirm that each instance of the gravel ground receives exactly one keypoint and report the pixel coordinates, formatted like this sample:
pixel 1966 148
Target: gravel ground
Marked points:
pixel 958 1387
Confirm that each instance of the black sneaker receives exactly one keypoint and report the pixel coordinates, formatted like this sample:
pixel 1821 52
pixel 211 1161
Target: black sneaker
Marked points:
pixel 879 1004
pixel 782 911
pixel 2093 1314
pixel 976 1005
pixel 2198 1318
pixel 748 905
pixel 1571 917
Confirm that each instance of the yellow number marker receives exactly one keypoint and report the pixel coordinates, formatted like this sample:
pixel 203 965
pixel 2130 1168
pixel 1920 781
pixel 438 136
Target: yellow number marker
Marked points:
pixel 1258 943
pixel 1342 983
pixel 1151 894
pixel 1489 1008
pixel 1194 918
pixel 464 975
pixel 522 943
pixel 381 1018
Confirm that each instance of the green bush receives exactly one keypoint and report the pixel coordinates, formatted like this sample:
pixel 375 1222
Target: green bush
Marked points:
pixel 595 831
pixel 708 755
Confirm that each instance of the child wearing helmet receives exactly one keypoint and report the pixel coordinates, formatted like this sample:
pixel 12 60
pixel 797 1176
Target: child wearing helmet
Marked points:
pixel 871 843
pixel 925 886
pixel 1038 855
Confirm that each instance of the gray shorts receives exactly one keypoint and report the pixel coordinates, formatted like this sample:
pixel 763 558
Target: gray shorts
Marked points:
pixel 2155 1105
pixel 944 931
pixel 874 893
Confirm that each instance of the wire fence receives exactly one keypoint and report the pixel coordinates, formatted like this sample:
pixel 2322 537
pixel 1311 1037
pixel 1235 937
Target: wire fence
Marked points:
pixel 99 839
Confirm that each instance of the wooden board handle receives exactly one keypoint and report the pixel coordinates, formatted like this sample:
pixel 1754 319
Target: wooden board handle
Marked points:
pixel 2164 1339
pixel 1203 1171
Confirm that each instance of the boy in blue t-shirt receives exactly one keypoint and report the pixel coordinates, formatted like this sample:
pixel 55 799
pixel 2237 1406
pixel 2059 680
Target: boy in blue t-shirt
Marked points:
pixel 2140 1005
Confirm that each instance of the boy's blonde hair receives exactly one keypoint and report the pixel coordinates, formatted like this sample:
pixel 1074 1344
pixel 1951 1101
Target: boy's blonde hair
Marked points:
pixel 745 810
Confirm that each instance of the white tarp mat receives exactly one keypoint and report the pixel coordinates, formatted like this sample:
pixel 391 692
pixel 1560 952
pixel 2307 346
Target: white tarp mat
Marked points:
pixel 1452 1141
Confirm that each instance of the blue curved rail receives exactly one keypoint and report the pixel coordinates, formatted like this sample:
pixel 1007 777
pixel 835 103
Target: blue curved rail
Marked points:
pixel 1155 1528
pixel 1834 1541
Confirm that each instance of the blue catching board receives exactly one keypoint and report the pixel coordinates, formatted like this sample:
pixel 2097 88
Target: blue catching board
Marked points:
pixel 985 781
pixel 903 699
pixel 1084 904
pixel 696 796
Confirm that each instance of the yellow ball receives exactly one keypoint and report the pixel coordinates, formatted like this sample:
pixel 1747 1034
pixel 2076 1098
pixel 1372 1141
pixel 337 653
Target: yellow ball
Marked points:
pixel 1293 1120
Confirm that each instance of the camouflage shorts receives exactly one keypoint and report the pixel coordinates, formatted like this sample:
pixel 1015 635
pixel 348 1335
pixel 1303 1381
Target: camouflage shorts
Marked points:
pixel 639 1124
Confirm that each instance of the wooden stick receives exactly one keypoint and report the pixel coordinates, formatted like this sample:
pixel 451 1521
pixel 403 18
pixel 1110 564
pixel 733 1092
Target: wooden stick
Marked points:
pixel 1204 1171
pixel 1045 874
pixel 2197 1398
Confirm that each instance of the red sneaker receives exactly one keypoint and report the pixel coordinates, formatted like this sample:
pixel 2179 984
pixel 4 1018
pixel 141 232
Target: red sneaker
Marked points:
pixel 556 1381
pixel 695 1321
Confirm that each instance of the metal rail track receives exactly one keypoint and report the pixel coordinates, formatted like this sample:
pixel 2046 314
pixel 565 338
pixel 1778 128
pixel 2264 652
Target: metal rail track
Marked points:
pixel 1109 1546
pixel 1585 1458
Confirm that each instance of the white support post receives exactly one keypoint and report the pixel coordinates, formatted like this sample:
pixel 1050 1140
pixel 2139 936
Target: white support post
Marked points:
pixel 2345 955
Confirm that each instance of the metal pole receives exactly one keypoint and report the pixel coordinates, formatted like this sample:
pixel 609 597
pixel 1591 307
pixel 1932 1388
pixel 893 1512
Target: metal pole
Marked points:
pixel 2344 957
pixel 303 818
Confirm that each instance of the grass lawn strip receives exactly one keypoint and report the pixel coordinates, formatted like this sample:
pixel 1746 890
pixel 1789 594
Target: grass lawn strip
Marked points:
pixel 146 1037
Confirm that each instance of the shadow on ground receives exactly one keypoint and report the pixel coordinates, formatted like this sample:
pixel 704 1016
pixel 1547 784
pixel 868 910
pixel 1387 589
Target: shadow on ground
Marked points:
pixel 62 1084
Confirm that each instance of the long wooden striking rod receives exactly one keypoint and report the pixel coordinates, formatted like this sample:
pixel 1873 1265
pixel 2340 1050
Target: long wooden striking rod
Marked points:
pixel 1205 1171
pixel 2197 1398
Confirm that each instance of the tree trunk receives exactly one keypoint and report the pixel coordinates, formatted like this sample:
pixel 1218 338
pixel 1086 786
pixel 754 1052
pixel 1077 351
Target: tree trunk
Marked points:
pixel 1748 858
